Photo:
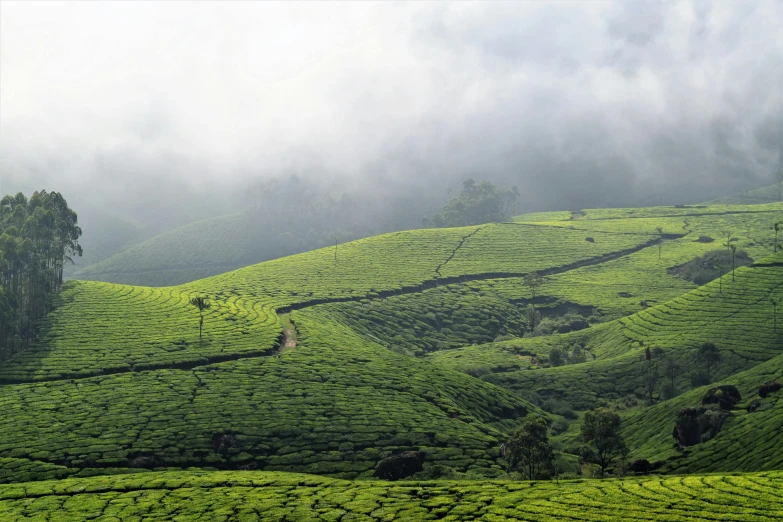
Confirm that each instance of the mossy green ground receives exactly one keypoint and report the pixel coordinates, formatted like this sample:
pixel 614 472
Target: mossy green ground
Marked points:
pixel 119 380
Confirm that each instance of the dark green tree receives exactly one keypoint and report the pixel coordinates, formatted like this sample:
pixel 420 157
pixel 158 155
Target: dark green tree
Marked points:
pixel 202 303
pixel 528 450
pixel 775 303
pixel 671 370
pixel 532 316
pixel 660 241
pixel 557 357
pixel 776 229
pixel 477 203
pixel 708 356
pixel 601 431
pixel 533 282
pixel 38 236
pixel 650 370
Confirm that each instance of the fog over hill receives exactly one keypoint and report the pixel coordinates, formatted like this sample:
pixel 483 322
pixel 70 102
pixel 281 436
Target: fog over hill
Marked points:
pixel 622 103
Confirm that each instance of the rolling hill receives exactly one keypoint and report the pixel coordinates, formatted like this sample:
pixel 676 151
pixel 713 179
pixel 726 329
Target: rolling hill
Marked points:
pixel 416 340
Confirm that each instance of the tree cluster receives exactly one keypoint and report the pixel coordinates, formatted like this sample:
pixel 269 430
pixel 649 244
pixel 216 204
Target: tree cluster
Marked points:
pixel 477 203
pixel 38 236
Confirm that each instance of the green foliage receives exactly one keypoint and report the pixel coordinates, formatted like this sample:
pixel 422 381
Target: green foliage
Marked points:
pixel 528 449
pixel 37 238
pixel 231 495
pixel 477 203
pixel 601 430
pixel 708 356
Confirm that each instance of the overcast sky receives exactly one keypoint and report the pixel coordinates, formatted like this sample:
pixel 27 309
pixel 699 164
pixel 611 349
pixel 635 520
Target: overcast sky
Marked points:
pixel 577 103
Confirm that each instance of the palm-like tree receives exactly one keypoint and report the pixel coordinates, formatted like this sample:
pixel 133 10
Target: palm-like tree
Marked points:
pixel 776 227
pixel 202 303
pixel 660 244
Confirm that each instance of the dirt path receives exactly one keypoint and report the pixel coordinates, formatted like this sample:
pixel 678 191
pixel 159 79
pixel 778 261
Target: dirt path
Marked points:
pixel 289 332
pixel 290 338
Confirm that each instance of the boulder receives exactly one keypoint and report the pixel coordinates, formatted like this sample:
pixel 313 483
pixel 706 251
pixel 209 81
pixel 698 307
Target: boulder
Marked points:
pixel 400 466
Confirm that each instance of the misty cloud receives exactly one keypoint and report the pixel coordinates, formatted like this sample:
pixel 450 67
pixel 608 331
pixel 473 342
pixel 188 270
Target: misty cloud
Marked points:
pixel 578 104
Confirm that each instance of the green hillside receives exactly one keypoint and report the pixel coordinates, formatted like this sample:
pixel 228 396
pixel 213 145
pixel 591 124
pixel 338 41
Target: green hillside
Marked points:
pixel 416 340
pixel 769 194
pixel 286 496
pixel 194 251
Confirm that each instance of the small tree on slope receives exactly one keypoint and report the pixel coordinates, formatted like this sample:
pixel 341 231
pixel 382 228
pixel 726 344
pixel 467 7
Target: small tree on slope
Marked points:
pixel 529 450
pixel 202 303
pixel 601 431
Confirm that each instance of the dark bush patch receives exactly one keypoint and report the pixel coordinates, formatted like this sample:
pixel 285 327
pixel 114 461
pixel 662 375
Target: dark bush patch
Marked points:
pixel 590 239
pixel 223 442
pixel 623 294
pixel 705 239
pixel 400 466
pixel 768 388
pixel 708 267
pixel 640 467
pixel 726 397
pixel 696 425
pixel 754 405
pixel 144 460
pixel 579 324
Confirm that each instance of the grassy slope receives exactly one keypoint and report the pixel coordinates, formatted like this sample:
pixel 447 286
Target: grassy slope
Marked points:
pixel 194 251
pixel 767 194
pixel 340 401
pixel 333 405
pixel 283 496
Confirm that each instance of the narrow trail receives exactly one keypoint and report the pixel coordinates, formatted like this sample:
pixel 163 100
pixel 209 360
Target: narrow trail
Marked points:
pixel 454 252
pixel 432 283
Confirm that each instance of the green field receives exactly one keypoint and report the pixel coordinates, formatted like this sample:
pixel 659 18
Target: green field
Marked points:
pixel 223 496
pixel 415 340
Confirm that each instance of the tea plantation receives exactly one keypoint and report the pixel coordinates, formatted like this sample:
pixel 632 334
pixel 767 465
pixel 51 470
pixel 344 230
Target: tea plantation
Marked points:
pixel 427 340
pixel 238 495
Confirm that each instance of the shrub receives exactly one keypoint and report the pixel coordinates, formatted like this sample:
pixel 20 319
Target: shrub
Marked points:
pixel 726 397
pixel 769 387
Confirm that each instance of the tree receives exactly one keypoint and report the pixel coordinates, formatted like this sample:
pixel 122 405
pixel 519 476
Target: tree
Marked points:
pixel 38 236
pixel 477 203
pixel 202 303
pixel 671 369
pixel 533 282
pixel 601 430
pixel 721 267
pixel 532 316
pixel 775 303
pixel 728 234
pixel 733 256
pixel 708 356
pixel 529 450
pixel 660 241
pixel 776 228
pixel 650 370
pixel 557 357
pixel 335 247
